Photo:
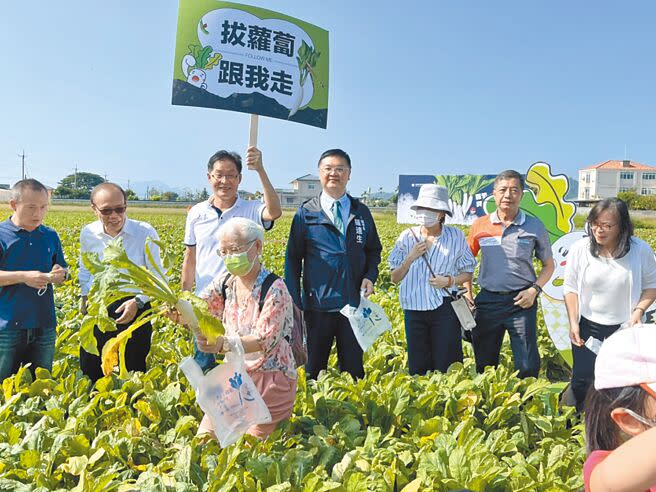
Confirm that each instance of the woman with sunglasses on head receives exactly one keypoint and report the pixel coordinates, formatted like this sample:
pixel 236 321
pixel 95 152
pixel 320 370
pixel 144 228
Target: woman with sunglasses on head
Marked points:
pixel 620 415
pixel 263 329
pixel 610 279
pixel 429 261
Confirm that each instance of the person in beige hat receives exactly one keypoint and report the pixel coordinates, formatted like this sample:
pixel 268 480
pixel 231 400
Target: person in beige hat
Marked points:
pixel 428 261
pixel 620 414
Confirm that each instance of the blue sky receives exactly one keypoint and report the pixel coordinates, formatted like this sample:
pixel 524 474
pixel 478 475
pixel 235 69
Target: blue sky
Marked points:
pixel 415 88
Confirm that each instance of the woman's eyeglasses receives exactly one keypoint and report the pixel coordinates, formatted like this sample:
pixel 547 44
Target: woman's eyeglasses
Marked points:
pixel 235 251
pixel 602 226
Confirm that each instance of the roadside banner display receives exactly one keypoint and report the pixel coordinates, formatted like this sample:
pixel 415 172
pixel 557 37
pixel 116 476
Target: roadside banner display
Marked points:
pixel 242 58
pixel 467 194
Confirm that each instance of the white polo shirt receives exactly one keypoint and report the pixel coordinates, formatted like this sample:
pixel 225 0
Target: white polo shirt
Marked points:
pixel 135 233
pixel 203 223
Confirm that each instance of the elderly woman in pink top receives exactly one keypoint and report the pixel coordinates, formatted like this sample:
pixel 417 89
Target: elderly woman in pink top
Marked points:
pixel 265 334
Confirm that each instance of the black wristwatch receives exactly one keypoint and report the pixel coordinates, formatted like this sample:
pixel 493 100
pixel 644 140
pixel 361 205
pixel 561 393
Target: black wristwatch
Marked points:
pixel 140 302
pixel 537 287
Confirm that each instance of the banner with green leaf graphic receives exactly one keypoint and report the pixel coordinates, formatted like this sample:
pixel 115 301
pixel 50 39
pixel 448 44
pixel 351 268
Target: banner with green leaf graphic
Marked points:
pixel 544 198
pixel 242 58
pixel 467 193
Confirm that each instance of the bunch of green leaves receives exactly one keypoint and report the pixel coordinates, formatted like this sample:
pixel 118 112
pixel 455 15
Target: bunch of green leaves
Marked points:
pixel 115 277
pixel 200 54
pixel 307 59
pixel 459 185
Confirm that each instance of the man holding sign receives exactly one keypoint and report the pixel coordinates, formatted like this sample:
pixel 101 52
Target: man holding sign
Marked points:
pixel 334 244
pixel 201 263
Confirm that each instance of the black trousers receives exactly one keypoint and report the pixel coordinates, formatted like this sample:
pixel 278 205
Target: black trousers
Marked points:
pixel 584 358
pixel 322 329
pixel 136 349
pixel 434 339
pixel 496 314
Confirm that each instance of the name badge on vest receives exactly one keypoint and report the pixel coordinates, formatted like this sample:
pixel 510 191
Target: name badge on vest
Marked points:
pixel 359 231
pixel 490 241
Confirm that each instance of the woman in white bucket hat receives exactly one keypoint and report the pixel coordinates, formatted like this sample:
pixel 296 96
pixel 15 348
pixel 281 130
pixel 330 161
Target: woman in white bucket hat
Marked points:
pixel 428 261
pixel 620 414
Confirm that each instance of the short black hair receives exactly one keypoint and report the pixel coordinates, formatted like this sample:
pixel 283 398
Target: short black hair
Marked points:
pixel 509 174
pixel 105 185
pixel 26 184
pixel 224 155
pixel 621 211
pixel 335 153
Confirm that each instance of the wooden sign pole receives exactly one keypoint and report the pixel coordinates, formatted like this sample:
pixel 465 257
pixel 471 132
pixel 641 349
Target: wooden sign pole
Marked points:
pixel 252 141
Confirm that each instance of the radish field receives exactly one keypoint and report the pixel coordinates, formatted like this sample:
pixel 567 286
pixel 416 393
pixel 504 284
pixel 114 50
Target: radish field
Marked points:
pixel 388 431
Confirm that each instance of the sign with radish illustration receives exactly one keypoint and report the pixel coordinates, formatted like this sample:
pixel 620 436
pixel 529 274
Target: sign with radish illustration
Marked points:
pixel 242 58
pixel 467 193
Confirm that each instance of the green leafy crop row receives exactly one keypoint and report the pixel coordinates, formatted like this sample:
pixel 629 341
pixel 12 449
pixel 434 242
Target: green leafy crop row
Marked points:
pixel 388 431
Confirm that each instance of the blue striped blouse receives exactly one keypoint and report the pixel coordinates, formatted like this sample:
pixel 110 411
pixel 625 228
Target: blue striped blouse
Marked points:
pixel 449 255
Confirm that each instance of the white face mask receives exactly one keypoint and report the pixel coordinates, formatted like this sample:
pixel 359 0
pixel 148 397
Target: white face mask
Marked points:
pixel 427 218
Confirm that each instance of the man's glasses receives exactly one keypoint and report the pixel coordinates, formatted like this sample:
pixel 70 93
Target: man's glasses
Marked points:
pixel 227 177
pixel 336 170
pixel 108 211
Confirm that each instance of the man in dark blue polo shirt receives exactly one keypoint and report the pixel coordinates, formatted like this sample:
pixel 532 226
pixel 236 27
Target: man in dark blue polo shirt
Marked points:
pixel 31 260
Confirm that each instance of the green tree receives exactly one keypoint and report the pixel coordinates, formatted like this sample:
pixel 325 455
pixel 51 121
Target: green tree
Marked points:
pixel 131 194
pixel 169 196
pixel 78 185
pixel 202 195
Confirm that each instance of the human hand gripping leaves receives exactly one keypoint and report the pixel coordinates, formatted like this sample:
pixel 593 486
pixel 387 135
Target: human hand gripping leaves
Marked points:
pixel 116 276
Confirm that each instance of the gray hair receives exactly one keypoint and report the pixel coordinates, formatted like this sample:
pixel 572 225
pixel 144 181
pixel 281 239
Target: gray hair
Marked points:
pixel 245 228
pixel 509 174
pixel 26 184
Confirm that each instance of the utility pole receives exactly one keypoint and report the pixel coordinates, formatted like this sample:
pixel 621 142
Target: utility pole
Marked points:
pixel 22 156
pixel 128 184
pixel 75 177
pixel 105 177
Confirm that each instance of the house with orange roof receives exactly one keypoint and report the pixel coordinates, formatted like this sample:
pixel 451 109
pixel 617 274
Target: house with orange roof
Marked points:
pixel 607 179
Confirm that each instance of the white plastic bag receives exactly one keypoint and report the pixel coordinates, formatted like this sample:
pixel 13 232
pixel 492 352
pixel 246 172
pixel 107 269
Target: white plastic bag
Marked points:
pixel 368 321
pixel 227 395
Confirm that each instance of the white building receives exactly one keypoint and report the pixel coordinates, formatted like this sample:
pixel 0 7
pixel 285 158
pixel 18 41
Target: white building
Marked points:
pixel 607 179
pixel 303 189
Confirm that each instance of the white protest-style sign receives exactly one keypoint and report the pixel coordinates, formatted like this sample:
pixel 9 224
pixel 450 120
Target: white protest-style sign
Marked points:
pixel 265 64
pixel 251 60
pixel 368 322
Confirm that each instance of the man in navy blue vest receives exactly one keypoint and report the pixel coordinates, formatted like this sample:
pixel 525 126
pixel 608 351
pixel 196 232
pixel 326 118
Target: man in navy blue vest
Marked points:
pixel 31 261
pixel 333 244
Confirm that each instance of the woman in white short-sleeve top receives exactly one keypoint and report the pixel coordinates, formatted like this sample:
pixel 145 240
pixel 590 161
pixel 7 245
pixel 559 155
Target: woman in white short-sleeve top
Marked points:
pixel 610 279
